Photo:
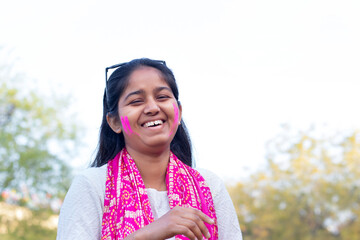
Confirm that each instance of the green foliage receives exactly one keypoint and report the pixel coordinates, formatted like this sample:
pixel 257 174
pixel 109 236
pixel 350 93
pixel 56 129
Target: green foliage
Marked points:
pixel 35 141
pixel 310 190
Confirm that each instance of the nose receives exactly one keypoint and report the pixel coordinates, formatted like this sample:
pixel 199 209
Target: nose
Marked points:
pixel 151 107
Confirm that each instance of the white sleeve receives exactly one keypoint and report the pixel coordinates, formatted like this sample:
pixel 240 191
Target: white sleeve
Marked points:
pixel 228 224
pixel 81 213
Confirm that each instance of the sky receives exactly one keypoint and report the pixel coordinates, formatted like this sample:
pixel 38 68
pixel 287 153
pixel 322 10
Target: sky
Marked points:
pixel 244 68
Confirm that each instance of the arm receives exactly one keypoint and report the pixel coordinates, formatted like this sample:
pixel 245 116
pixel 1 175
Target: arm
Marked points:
pixel 228 224
pixel 178 221
pixel 81 213
pixel 167 226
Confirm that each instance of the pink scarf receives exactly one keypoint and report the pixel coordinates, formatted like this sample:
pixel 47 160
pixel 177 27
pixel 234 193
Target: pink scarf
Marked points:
pixel 127 207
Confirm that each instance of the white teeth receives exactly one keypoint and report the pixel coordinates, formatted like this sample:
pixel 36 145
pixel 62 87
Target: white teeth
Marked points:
pixel 157 122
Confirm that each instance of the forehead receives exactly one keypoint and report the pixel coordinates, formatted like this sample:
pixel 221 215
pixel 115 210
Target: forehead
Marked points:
pixel 145 78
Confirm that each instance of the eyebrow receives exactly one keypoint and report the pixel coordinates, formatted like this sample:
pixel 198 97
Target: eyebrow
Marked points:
pixel 158 89
pixel 134 93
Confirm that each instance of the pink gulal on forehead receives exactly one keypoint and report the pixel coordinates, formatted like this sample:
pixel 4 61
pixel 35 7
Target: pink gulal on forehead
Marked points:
pixel 176 119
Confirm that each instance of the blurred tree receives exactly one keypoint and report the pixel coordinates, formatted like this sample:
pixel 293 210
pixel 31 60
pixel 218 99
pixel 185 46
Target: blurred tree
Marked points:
pixel 310 190
pixel 35 140
pixel 22 223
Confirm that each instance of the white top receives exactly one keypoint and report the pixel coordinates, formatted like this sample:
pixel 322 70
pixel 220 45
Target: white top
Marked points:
pixel 82 210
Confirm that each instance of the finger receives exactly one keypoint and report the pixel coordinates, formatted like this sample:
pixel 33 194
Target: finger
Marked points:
pixel 202 216
pixel 200 225
pixel 183 230
pixel 196 216
pixel 193 227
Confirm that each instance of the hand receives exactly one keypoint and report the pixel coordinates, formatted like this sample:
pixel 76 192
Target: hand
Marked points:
pixel 178 221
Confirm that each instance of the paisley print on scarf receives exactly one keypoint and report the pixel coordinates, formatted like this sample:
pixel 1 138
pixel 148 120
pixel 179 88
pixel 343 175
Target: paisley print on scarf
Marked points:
pixel 127 207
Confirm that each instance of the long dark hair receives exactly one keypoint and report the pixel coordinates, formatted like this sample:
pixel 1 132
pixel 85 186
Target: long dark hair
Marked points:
pixel 110 143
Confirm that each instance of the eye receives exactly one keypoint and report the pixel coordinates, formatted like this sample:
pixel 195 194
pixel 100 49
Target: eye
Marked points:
pixel 136 102
pixel 163 97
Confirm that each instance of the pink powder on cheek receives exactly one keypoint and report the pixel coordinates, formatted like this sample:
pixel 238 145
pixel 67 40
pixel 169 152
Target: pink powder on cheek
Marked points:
pixel 126 125
pixel 176 119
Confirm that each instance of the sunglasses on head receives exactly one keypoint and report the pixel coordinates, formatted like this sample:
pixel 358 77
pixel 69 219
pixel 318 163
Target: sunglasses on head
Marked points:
pixel 116 66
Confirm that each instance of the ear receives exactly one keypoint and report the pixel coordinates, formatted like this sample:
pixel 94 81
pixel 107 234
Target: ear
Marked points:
pixel 180 112
pixel 114 123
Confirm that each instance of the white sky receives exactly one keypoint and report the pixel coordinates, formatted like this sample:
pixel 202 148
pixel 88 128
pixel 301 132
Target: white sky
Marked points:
pixel 243 67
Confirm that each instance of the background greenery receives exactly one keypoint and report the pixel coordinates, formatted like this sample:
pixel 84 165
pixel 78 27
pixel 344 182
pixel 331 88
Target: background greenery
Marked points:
pixel 310 189
pixel 38 137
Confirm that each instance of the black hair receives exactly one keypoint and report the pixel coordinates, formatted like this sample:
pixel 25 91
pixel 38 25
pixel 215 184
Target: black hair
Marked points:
pixel 110 143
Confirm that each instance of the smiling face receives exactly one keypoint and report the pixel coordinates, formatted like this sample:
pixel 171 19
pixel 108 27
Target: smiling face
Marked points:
pixel 148 112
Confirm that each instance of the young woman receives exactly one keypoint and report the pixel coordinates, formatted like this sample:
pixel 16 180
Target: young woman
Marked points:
pixel 141 184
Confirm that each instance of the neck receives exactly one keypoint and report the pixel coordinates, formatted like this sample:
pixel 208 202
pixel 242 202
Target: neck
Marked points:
pixel 152 167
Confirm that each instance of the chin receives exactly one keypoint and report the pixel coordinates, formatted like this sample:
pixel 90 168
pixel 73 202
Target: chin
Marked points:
pixel 159 142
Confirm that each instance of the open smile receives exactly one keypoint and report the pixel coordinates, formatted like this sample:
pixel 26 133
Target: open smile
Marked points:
pixel 152 124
